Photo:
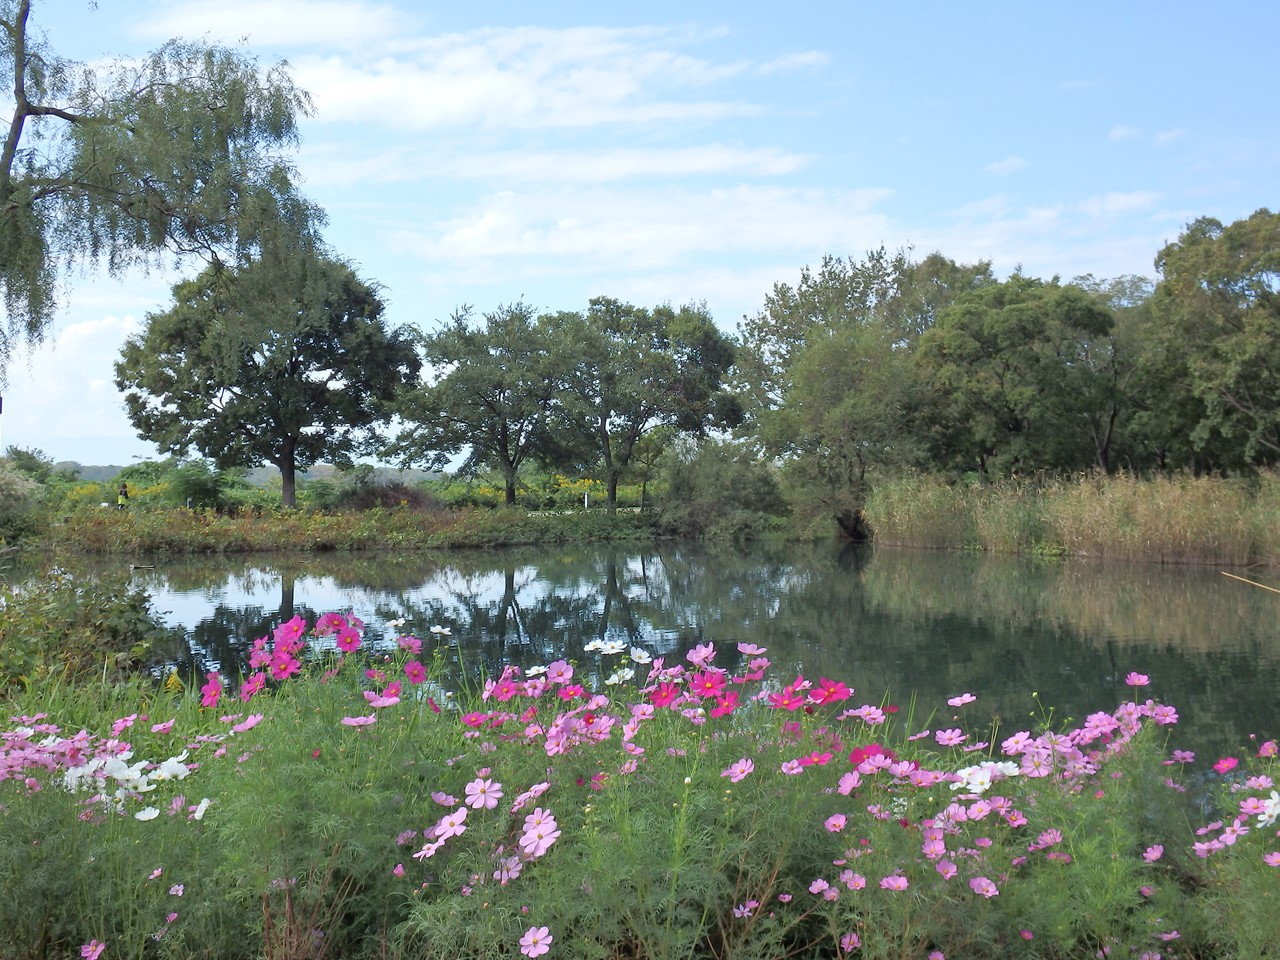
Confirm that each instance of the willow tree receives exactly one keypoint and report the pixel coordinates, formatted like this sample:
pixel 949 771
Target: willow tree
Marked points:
pixel 174 154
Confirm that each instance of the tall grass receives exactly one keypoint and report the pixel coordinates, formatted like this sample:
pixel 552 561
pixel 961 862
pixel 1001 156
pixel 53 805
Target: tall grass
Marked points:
pixel 1233 522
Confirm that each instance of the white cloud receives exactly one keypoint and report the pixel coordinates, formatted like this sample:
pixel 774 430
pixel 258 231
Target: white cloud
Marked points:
pixel 809 60
pixel 1115 203
pixel 648 229
pixel 64 390
pixel 1125 133
pixel 278 23
pixel 1010 164
pixel 522 78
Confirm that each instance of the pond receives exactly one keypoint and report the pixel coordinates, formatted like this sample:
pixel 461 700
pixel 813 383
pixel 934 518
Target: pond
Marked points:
pixel 1030 639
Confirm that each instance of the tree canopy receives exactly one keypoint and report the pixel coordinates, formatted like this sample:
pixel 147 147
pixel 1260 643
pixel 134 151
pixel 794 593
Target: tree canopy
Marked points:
pixel 492 395
pixel 178 153
pixel 287 362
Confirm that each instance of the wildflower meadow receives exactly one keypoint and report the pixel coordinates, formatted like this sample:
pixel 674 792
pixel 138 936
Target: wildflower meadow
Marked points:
pixel 342 800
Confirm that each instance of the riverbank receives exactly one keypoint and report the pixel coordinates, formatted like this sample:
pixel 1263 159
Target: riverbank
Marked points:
pixel 612 807
pixel 1226 522
pixel 178 531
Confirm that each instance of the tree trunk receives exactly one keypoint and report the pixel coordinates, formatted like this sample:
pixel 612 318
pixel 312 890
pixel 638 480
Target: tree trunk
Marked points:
pixel 288 485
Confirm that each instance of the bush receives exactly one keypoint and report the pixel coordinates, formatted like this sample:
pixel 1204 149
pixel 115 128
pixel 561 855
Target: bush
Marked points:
pixel 55 629
pixel 719 490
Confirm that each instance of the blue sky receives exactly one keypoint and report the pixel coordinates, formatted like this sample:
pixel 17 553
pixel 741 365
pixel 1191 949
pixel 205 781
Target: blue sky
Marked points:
pixel 488 152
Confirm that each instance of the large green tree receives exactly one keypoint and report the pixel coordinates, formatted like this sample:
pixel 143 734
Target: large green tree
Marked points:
pixel 177 153
pixel 826 370
pixel 493 389
pixel 1217 332
pixel 1012 381
pixel 634 370
pixel 286 361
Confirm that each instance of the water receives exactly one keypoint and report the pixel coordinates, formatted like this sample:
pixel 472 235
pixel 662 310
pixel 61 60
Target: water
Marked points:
pixel 900 626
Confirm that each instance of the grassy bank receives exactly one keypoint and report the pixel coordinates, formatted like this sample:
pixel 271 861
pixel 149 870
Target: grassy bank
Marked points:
pixel 177 530
pixel 1178 520
pixel 339 802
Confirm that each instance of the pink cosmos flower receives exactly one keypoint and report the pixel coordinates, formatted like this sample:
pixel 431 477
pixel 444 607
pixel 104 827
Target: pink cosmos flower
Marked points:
pixel 538 841
pixel 535 942
pixel 415 672
pixel 347 639
pixel 983 886
pixel 92 950
pixel 452 824
pixel 739 770
pixel 1137 679
pixel 211 691
pixel 412 644
pixel 483 793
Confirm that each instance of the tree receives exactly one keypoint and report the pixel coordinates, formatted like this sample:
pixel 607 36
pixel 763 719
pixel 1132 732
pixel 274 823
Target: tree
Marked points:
pixel 826 369
pixel 1011 384
pixel 492 395
pixel 174 154
pixel 287 361
pixel 637 369
pixel 1217 327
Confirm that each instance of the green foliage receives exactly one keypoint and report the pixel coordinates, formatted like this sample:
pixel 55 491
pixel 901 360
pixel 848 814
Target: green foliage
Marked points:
pixel 718 490
pixel 179 152
pixel 54 628
pixel 494 400
pixel 1216 318
pixel 286 361
pixel 20 497
pixel 637 370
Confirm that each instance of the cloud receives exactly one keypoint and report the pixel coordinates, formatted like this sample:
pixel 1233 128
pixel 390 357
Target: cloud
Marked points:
pixel 809 60
pixel 1125 133
pixel 523 78
pixel 651 229
pixel 1010 164
pixel 1115 203
pixel 278 23
pixel 331 165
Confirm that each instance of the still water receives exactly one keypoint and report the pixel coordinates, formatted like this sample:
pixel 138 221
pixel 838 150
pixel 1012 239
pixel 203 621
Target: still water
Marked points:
pixel 1027 638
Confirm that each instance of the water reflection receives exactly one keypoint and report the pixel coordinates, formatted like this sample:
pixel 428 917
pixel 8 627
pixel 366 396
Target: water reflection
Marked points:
pixel 916 625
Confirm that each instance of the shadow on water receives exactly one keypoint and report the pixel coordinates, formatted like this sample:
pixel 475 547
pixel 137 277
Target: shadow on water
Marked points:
pixel 893 624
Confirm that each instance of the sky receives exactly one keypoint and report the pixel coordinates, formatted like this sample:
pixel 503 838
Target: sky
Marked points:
pixel 483 153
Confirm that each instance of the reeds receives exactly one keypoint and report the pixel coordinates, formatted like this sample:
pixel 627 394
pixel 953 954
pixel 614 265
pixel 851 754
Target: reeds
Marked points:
pixel 1229 522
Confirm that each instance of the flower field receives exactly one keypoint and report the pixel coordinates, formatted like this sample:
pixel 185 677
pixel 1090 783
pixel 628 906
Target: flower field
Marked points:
pixel 340 802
